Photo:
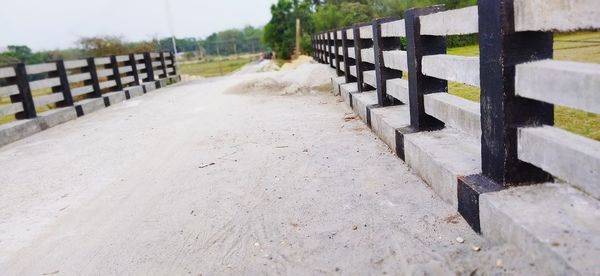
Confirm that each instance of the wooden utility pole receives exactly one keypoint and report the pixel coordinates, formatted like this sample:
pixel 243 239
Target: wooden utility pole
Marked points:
pixel 297 52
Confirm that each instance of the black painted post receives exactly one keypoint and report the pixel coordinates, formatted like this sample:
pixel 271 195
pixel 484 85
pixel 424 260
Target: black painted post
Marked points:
pixel 502 112
pixel 93 81
pixel 134 70
pixel 315 47
pixel 320 45
pixel 347 43
pixel 116 74
pixel 358 57
pixel 338 55
pixel 164 65
pixel 383 73
pixel 64 87
pixel 361 67
pixel 318 58
pixel 329 50
pixel 324 47
pixel 24 97
pixel 321 55
pixel 149 69
pixel 173 63
pixel 419 84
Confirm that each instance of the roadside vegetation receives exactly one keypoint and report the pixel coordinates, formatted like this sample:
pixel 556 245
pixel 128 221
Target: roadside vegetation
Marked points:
pixel 321 15
pixel 211 67
pixel 580 47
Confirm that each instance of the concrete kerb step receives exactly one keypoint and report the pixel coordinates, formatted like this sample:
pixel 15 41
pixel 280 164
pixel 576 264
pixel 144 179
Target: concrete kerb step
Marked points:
pixel 88 106
pixel 114 97
pixel 346 91
pixel 361 104
pixel 134 91
pixel 335 82
pixel 18 130
pixel 54 117
pixel 149 86
pixel 385 122
pixel 440 157
pixel 161 83
pixel 554 223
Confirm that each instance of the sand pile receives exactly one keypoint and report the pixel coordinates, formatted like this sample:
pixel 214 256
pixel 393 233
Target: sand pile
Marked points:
pixel 297 62
pixel 306 78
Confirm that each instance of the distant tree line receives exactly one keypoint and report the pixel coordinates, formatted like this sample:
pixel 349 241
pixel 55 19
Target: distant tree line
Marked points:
pixel 320 15
pixel 228 42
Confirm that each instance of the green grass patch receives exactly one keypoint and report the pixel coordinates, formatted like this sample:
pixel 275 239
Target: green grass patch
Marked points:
pixel 580 47
pixel 213 68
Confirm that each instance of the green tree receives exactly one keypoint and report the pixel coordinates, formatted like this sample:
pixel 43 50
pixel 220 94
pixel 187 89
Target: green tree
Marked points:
pixel 21 53
pixel 333 15
pixel 103 46
pixel 280 32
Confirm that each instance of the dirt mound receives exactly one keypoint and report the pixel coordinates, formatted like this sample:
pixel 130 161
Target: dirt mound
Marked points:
pixel 297 62
pixel 305 79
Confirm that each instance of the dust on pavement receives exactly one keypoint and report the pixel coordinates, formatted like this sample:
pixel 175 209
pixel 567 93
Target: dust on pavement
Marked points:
pixel 293 185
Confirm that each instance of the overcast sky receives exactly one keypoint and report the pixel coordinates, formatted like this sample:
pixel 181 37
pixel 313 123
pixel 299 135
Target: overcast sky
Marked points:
pixel 51 24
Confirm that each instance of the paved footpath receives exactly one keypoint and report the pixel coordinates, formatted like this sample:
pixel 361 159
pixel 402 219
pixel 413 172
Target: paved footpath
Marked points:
pixel 297 187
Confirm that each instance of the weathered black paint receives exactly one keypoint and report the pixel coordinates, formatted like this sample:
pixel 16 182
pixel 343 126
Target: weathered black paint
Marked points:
pixel 350 99
pixel 134 70
pixel 469 189
pixel 400 132
pixel 93 81
pixel 319 57
pixel 79 110
pixel 502 112
pixel 382 73
pixel 173 63
pixel 24 97
pixel 337 42
pixel 419 84
pixel 347 43
pixel 65 87
pixel 116 74
pixel 149 70
pixel 329 50
pixel 163 65
pixel 106 102
pixel 361 66
pixel 368 113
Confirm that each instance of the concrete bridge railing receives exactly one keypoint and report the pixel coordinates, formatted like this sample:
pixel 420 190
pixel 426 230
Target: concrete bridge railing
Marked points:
pixel 471 153
pixel 73 88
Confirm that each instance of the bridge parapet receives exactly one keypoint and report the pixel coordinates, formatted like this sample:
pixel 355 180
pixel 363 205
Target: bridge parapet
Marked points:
pixel 473 153
pixel 44 95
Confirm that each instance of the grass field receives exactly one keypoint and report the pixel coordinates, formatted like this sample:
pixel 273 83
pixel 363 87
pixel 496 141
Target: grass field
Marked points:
pixel 215 67
pixel 581 47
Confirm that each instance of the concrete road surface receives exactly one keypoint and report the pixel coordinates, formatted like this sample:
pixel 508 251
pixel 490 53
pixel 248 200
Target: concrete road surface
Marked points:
pixel 211 178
